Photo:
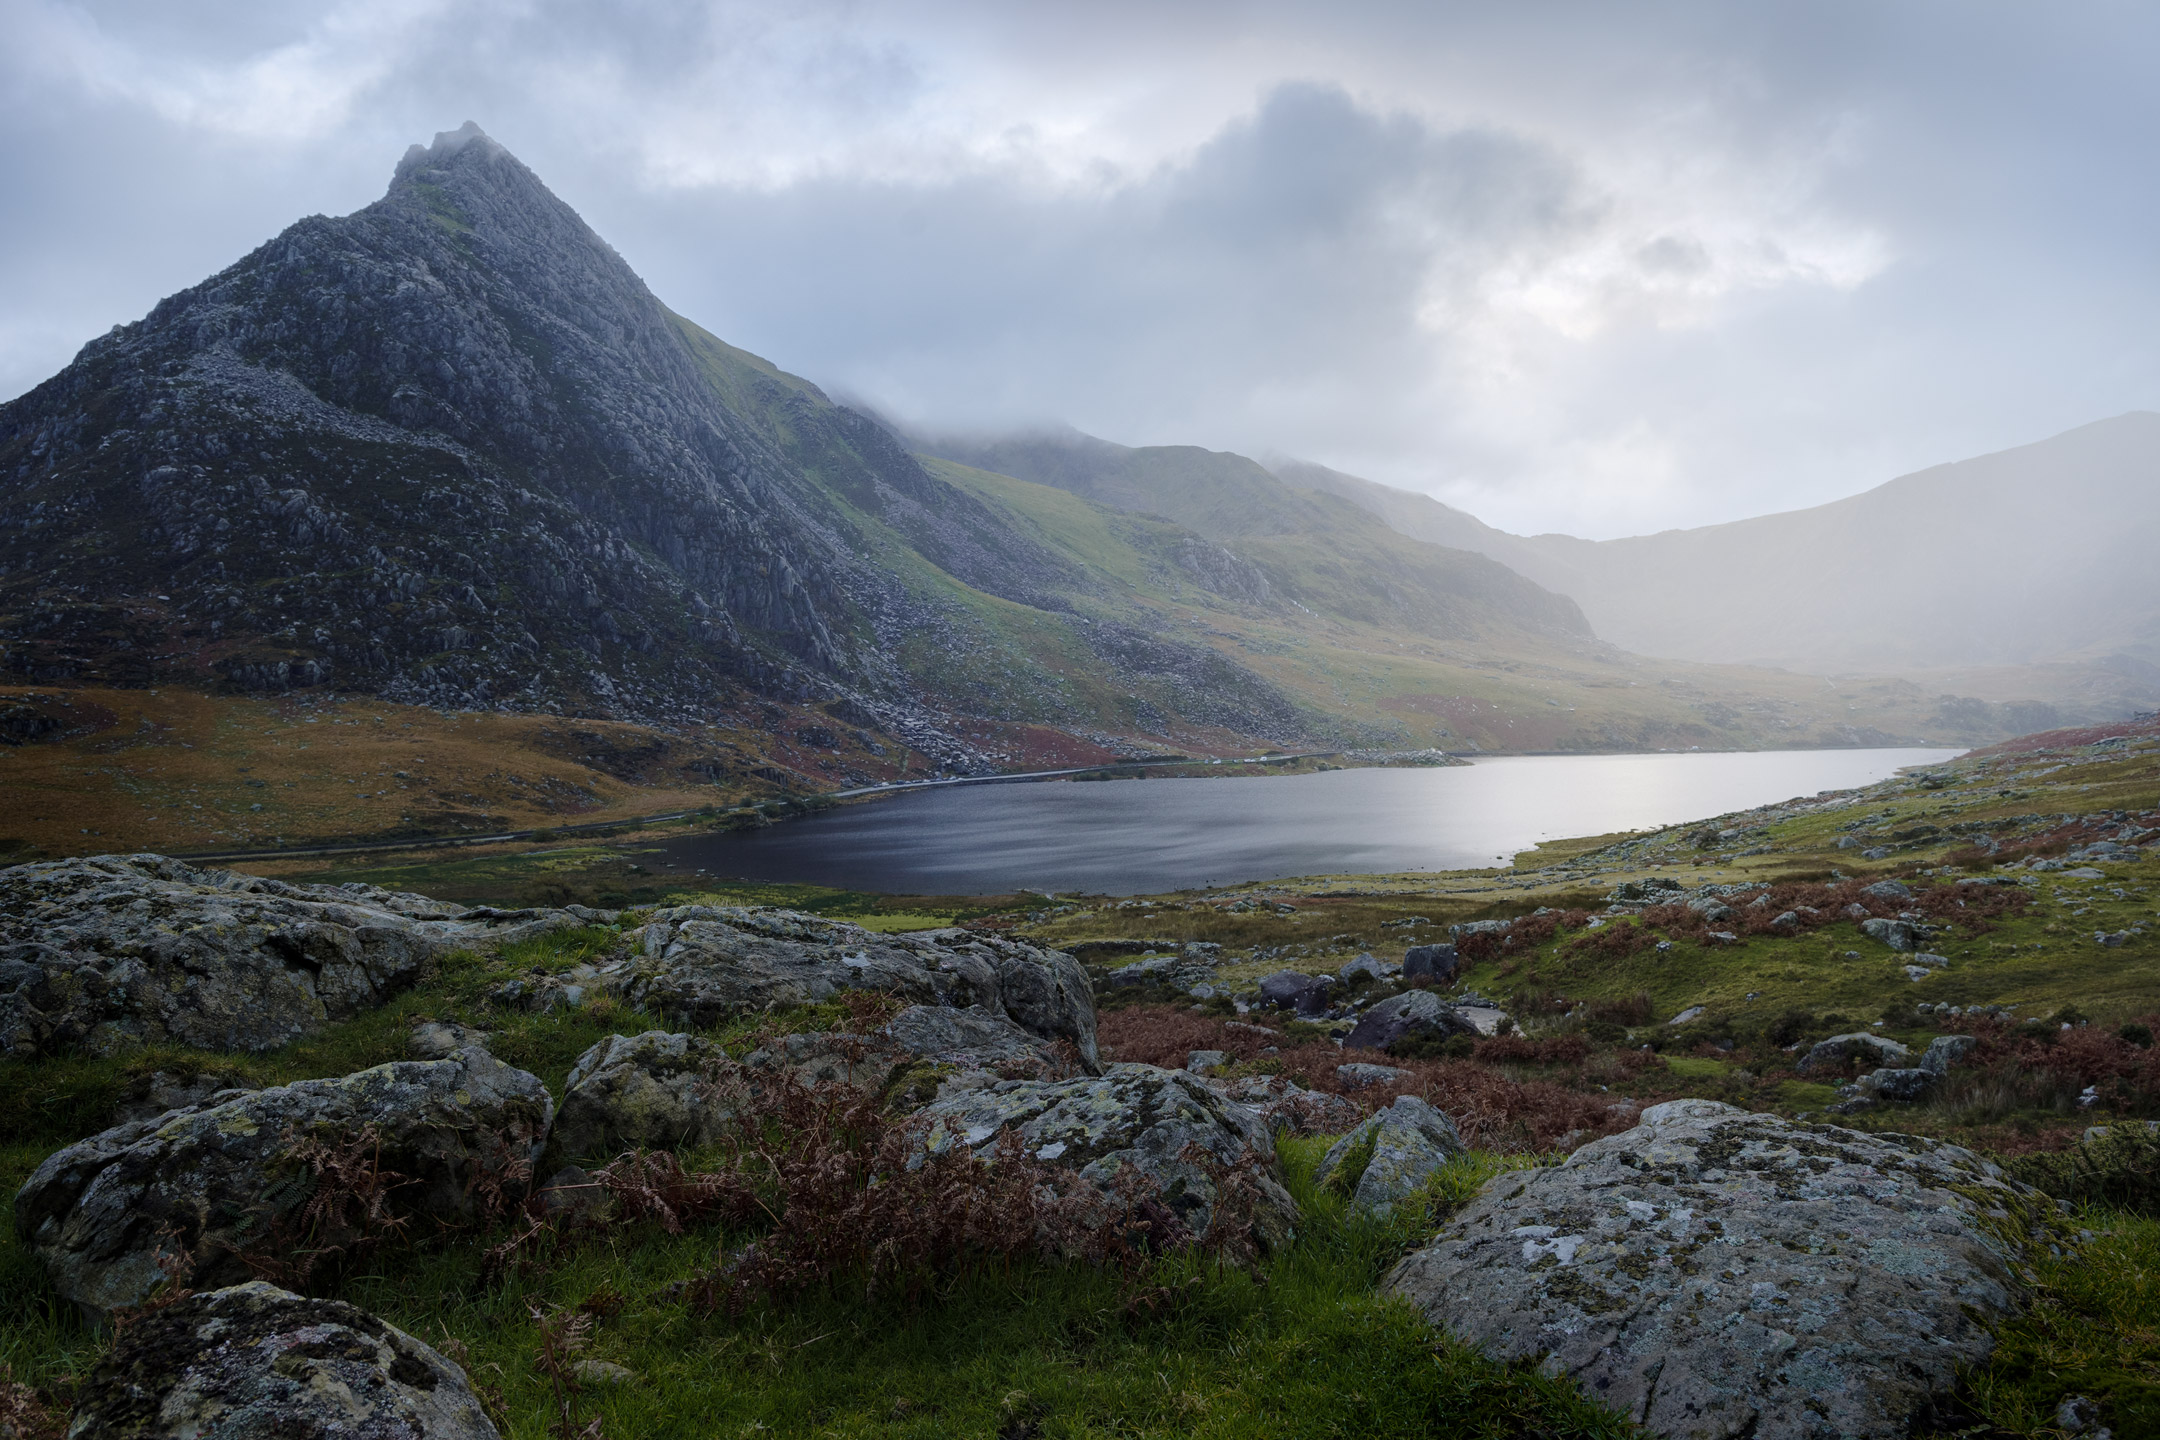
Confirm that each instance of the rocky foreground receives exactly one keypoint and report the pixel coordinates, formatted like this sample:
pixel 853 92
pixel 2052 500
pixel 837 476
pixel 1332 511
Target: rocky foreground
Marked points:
pixel 1709 1272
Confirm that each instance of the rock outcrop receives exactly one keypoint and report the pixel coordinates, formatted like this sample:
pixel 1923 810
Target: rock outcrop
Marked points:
pixel 653 1091
pixel 221 1179
pixel 1131 1115
pixel 254 1362
pixel 1715 1274
pixel 1391 1155
pixel 116 951
pixel 705 964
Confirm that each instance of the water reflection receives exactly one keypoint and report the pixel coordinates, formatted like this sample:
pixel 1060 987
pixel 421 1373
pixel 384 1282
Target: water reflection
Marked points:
pixel 1129 837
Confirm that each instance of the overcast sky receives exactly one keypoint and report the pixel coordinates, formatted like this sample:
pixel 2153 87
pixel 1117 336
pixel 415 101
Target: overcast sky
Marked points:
pixel 1602 268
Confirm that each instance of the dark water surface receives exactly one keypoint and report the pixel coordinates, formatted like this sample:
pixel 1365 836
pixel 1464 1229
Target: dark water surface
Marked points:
pixel 1127 837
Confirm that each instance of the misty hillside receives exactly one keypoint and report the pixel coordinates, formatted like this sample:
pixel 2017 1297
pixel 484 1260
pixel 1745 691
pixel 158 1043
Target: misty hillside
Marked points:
pixel 2037 555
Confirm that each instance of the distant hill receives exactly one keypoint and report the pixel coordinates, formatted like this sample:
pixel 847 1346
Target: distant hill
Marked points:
pixel 2038 555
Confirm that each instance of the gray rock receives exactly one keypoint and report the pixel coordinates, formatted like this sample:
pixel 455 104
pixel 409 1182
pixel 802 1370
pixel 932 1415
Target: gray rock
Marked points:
pixel 653 1091
pixel 1371 965
pixel 1714 1274
pixel 1888 890
pixel 603 1372
pixel 1357 1075
pixel 254 1362
pixel 439 1040
pixel 832 1057
pixel 1394 1153
pixel 1206 1062
pixel 1897 934
pixel 1414 1012
pixel 1137 1115
pixel 1430 962
pixel 1295 990
pixel 116 951
pixel 1486 1019
pixel 1929 961
pixel 706 964
pixel 2084 872
pixel 975 1039
pixel 220 1177
pixel 1650 890
pixel 1839 1048
pixel 1692 1013
pixel 1900 1085
pixel 1877 852
pixel 1945 1051
pixel 152 1095
pixel 1287 1108
pixel 1146 972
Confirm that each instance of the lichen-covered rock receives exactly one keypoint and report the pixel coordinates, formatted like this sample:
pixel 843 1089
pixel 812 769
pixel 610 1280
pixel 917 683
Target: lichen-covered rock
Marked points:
pixel 115 951
pixel 976 1039
pixel 440 1039
pixel 1839 1048
pixel 1945 1051
pixel 1716 1274
pixel 653 1091
pixel 1137 1115
pixel 705 964
pixel 220 1179
pixel 1391 1155
pixel 254 1362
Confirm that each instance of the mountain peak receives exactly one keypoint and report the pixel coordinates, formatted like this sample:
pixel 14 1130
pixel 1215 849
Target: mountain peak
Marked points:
pixel 448 143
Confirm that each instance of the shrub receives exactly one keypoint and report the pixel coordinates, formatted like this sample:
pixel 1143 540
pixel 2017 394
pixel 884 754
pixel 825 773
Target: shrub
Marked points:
pixel 2136 1034
pixel 2119 1168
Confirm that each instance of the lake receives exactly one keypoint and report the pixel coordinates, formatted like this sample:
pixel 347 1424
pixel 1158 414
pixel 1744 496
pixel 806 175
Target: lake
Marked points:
pixel 1126 837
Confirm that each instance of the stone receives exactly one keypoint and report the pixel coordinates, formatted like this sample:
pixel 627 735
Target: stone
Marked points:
pixel 1902 1086
pixel 221 1177
pixel 1713 1274
pixel 1145 972
pixel 603 1372
pixel 1839 1048
pixel 1712 908
pixel 976 1039
pixel 1137 1115
pixel 1876 852
pixel 1897 934
pixel 1928 960
pixel 1888 890
pixel 1788 920
pixel 1487 1020
pixel 438 1040
pixel 1287 1108
pixel 1650 890
pixel 703 965
pixel 2084 872
pixel 112 952
pixel 831 1057
pixel 1371 966
pixel 1206 1062
pixel 1357 1075
pixel 254 1362
pixel 1295 990
pixel 1945 1051
pixel 1390 1156
pixel 1687 1016
pixel 1437 963
pixel 571 1193
pixel 1412 1013
pixel 653 1091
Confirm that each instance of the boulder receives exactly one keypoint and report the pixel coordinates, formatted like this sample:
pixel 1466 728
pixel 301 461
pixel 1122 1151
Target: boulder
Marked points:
pixel 439 1040
pixel 653 1091
pixel 258 1363
pixel 1839 1048
pixel 150 1096
pixel 1206 1062
pixel 1370 966
pixel 1947 1050
pixel 1357 1075
pixel 1888 890
pixel 1897 934
pixel 1141 1116
pixel 1391 1155
pixel 1412 1013
pixel 832 1057
pixel 117 951
pixel 1650 890
pixel 1287 1108
pixel 1714 1274
pixel 1295 990
pixel 705 964
pixel 1430 962
pixel 222 1178
pixel 1901 1085
pixel 976 1039
pixel 1156 971
pixel 1711 907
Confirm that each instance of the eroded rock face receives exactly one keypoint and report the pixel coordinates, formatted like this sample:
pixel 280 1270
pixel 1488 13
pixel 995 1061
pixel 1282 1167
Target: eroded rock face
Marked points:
pixel 1394 1153
pixel 219 1178
pixel 115 951
pixel 1138 1115
pixel 1714 1274
pixel 258 1363
pixel 704 964
pixel 654 1091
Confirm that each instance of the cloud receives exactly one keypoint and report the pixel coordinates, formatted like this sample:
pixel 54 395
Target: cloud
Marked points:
pixel 1574 266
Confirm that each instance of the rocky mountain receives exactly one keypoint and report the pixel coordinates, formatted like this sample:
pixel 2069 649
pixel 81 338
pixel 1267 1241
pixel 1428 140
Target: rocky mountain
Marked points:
pixel 450 450
pixel 2037 555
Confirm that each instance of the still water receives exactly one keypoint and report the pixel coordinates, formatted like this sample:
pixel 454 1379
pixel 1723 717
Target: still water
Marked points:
pixel 1126 837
